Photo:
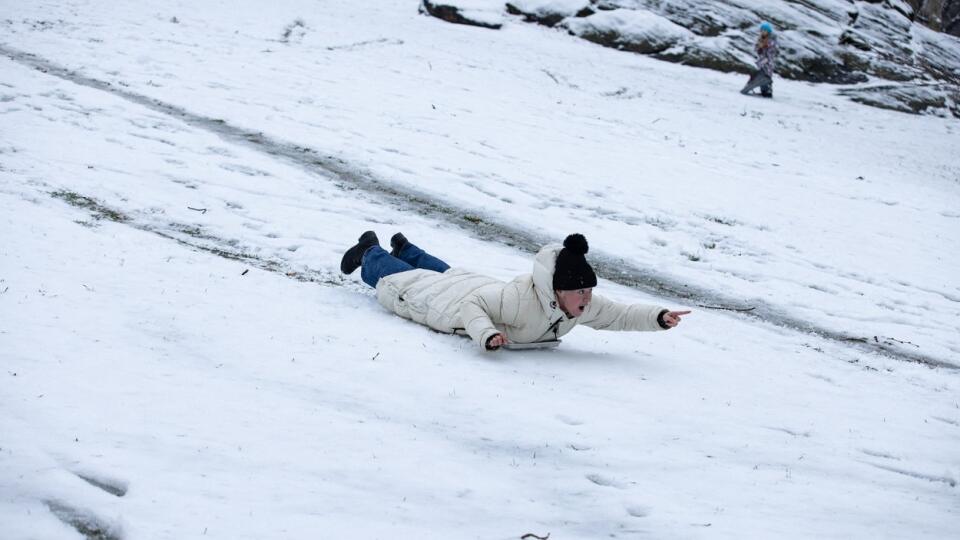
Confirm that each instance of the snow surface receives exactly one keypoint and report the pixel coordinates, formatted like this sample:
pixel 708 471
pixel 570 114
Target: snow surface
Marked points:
pixel 259 394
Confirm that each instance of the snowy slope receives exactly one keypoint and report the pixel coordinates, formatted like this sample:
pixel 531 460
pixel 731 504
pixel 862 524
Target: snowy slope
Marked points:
pixel 284 402
pixel 701 185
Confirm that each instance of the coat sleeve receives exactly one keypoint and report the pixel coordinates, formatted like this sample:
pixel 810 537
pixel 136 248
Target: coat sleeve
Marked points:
pixel 606 314
pixel 487 306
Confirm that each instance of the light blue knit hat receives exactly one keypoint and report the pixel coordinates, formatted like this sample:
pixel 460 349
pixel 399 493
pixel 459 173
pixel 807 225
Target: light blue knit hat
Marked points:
pixel 766 26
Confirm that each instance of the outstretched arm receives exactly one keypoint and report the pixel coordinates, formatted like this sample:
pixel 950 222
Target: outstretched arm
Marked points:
pixel 604 314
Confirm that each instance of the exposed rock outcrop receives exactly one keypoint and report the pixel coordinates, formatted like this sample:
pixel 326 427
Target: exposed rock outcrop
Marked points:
pixel 910 98
pixel 894 45
pixel 629 30
pixel 460 12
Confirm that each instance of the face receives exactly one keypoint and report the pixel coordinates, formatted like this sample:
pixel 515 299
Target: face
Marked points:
pixel 573 303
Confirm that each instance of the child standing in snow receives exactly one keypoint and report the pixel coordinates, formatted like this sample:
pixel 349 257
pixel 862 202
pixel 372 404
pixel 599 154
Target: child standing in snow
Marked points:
pixel 766 49
pixel 534 308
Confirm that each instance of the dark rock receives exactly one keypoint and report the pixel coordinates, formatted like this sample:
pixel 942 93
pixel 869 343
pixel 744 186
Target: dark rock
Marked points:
pixel 910 98
pixel 893 72
pixel 950 17
pixel 585 12
pixel 886 32
pixel 853 63
pixel 710 58
pixel 819 69
pixel 908 12
pixel 452 14
pixel 706 23
pixel 648 33
pixel 547 19
pixel 854 39
pixel 939 15
pixel 617 41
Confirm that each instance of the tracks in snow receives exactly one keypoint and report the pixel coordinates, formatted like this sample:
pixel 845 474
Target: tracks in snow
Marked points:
pixel 471 220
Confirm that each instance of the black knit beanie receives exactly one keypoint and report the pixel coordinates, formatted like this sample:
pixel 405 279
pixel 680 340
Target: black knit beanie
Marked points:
pixel 572 271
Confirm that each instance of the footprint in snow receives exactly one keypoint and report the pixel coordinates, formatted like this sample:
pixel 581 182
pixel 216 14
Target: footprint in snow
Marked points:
pixel 947 420
pixel 791 432
pixel 604 481
pixel 879 454
pixel 117 488
pixel 569 421
pixel 88 524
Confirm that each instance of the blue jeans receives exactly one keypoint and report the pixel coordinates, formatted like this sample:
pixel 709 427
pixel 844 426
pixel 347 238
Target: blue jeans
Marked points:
pixel 378 263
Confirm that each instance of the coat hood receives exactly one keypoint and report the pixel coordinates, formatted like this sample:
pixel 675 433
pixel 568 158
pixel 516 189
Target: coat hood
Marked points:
pixel 543 266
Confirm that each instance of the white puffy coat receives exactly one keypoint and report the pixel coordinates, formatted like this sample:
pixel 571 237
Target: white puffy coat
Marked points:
pixel 525 309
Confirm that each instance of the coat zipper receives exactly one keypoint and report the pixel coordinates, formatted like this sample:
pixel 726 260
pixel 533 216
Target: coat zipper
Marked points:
pixel 556 328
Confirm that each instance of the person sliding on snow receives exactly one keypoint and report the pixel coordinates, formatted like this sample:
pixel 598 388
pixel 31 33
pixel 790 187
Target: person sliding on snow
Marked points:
pixel 766 49
pixel 533 308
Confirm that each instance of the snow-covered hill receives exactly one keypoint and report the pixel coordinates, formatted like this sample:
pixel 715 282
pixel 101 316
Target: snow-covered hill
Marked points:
pixel 182 359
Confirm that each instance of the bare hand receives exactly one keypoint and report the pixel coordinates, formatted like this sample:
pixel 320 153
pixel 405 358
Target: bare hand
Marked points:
pixel 672 318
pixel 497 341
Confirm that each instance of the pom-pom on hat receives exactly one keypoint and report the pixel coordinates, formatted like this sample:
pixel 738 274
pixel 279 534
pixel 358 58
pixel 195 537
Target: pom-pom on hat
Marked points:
pixel 572 271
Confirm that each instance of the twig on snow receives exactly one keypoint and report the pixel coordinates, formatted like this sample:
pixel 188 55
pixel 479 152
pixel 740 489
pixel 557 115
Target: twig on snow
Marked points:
pixel 728 308
pixel 201 210
pixel 889 339
pixel 531 535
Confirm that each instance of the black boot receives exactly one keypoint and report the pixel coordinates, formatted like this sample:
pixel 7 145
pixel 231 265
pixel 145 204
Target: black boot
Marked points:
pixel 354 256
pixel 397 243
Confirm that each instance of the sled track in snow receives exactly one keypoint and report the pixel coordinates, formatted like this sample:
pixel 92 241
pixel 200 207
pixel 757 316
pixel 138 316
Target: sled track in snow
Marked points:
pixel 472 220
